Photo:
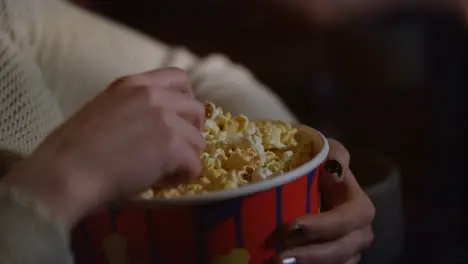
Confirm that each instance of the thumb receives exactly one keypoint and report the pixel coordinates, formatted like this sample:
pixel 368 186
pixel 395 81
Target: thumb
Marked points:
pixel 337 162
pixel 335 177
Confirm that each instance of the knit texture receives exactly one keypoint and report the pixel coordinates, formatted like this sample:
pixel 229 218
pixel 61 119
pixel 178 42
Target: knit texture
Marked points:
pixel 28 110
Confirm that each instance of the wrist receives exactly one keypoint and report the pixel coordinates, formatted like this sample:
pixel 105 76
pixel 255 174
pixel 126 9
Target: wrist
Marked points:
pixel 55 188
pixel 16 204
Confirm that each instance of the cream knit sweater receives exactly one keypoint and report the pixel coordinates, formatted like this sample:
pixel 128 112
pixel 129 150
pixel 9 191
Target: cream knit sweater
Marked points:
pixel 54 57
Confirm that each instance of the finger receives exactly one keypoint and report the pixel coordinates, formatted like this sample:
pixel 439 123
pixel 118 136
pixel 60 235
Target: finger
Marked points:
pixel 185 165
pixel 192 136
pixel 338 152
pixel 338 159
pixel 354 260
pixel 339 251
pixel 336 193
pixel 191 110
pixel 185 154
pixel 334 172
pixel 337 182
pixel 342 220
pixel 189 165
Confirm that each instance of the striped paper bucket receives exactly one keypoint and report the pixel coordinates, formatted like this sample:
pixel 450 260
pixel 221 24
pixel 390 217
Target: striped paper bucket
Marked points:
pixel 226 227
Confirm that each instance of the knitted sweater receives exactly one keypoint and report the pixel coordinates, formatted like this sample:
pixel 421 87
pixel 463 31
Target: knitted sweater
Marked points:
pixel 54 57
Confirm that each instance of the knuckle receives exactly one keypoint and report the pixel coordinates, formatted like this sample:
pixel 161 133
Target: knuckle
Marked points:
pixel 173 73
pixel 123 81
pixel 181 79
pixel 134 88
pixel 144 94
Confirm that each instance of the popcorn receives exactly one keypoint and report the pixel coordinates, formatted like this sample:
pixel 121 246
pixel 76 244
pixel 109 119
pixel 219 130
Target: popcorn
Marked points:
pixel 239 152
pixel 147 194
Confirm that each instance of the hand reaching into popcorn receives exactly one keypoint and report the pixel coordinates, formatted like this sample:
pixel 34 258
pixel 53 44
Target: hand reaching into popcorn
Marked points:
pixel 151 120
pixel 239 152
pixel 340 234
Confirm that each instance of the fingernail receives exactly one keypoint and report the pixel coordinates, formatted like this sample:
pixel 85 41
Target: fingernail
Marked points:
pixel 291 260
pixel 334 168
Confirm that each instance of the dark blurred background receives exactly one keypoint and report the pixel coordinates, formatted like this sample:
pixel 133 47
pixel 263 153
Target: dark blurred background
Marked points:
pixel 393 83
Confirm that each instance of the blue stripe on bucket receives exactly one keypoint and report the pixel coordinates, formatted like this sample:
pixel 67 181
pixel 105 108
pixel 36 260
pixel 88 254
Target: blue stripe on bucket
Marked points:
pixel 152 239
pixel 279 218
pixel 310 178
pixel 199 235
pixel 211 215
pixel 238 223
pixel 220 212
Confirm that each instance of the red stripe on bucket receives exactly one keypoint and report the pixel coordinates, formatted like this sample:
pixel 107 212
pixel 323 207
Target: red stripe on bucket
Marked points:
pixel 98 227
pixel 258 223
pixel 294 199
pixel 221 239
pixel 174 234
pixel 132 225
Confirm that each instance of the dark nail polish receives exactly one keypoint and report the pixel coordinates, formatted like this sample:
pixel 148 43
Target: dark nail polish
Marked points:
pixel 334 168
pixel 290 260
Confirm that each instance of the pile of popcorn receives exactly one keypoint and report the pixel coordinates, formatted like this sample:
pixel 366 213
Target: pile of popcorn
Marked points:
pixel 239 152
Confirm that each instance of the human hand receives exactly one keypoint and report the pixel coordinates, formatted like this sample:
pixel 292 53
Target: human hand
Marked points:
pixel 142 129
pixel 339 235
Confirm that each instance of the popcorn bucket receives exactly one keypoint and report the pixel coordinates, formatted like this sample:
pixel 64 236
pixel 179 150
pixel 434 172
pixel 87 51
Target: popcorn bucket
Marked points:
pixel 224 227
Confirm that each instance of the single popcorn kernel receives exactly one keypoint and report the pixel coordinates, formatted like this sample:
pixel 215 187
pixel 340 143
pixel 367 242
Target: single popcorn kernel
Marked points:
pixel 210 109
pixel 287 156
pixel 242 122
pixel 211 127
pixel 147 194
pixel 238 152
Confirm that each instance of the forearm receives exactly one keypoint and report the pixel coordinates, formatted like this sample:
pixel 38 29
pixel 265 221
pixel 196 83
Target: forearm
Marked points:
pixel 29 234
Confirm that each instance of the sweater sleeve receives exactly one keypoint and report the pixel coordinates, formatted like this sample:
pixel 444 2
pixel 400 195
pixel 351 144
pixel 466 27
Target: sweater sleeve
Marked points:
pixel 28 233
pixel 80 53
